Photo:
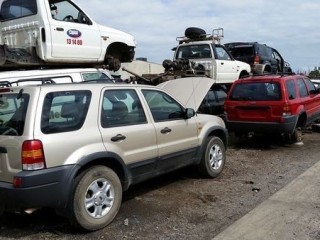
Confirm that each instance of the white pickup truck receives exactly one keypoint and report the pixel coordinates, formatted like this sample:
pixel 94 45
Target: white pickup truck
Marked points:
pixel 53 32
pixel 201 54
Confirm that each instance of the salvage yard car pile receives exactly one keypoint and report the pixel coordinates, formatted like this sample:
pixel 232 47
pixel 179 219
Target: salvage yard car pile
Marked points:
pixel 121 134
pixel 58 32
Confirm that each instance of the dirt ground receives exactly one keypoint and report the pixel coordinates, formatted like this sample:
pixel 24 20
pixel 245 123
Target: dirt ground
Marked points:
pixel 182 205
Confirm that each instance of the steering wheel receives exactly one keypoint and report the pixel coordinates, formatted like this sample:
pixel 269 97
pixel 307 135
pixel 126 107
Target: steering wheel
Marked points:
pixel 68 18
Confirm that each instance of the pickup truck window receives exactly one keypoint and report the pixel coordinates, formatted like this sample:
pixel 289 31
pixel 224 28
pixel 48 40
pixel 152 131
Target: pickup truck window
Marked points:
pixel 221 53
pixel 194 51
pixel 17 8
pixel 67 11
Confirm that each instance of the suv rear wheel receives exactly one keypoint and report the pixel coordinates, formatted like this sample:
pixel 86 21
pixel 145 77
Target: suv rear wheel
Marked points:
pixel 213 158
pixel 97 198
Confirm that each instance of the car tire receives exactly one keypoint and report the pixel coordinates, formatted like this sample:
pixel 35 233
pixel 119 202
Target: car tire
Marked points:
pixel 213 157
pixel 96 200
pixel 194 33
pixel 296 136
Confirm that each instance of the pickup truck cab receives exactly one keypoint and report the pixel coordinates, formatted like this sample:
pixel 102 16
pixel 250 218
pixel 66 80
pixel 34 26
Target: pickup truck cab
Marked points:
pixel 37 32
pixel 203 54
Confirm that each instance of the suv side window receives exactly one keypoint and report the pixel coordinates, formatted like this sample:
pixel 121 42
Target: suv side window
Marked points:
pixel 13 108
pixel 64 111
pixel 291 89
pixel 162 106
pixel 310 85
pixel 121 107
pixel 303 91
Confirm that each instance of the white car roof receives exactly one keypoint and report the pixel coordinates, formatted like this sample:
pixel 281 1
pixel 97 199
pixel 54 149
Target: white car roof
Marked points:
pixel 46 72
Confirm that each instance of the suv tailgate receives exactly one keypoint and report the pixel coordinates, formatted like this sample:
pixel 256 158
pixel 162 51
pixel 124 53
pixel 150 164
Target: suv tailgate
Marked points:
pixel 13 111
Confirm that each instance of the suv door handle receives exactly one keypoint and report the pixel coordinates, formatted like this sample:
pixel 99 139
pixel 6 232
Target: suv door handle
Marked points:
pixel 59 29
pixel 118 137
pixel 165 130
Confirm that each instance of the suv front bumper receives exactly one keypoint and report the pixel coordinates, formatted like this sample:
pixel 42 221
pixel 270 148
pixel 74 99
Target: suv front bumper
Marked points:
pixel 41 188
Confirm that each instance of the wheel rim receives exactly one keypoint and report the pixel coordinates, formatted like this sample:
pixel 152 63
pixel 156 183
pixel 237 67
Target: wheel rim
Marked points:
pixel 215 157
pixel 99 198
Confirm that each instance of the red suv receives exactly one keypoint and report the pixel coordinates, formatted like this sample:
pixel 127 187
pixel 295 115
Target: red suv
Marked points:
pixel 271 104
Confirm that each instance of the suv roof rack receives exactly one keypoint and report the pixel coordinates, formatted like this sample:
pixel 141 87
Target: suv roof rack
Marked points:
pixel 43 81
pixel 215 37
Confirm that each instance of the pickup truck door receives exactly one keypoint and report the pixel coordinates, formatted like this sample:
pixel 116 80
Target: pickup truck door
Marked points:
pixel 227 69
pixel 73 35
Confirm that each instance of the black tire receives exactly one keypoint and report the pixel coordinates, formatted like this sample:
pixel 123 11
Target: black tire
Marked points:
pixel 213 157
pixel 194 32
pixel 296 136
pixel 96 198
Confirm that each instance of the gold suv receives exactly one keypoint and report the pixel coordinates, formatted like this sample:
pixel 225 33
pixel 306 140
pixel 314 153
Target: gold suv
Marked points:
pixel 77 147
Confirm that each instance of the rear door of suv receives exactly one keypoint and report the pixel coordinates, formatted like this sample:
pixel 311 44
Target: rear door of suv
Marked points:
pixel 309 98
pixel 126 130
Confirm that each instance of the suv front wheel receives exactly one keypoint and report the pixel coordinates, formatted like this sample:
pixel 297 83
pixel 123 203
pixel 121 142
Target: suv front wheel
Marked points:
pixel 213 158
pixel 97 198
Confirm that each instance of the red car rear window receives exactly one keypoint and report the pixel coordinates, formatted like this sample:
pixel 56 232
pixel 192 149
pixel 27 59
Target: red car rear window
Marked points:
pixel 256 91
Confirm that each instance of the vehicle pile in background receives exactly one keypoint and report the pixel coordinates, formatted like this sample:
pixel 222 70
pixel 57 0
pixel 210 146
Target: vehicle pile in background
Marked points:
pixel 89 175
pixel 58 34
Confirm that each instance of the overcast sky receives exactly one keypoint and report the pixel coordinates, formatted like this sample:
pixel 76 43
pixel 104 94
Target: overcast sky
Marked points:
pixel 292 27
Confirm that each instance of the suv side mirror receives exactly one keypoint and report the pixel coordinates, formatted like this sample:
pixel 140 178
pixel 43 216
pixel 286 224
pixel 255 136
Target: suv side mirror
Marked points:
pixel 189 113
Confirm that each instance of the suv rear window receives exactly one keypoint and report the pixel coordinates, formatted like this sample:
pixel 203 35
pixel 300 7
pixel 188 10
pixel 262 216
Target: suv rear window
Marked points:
pixel 18 8
pixel 242 51
pixel 257 91
pixel 13 108
pixel 64 111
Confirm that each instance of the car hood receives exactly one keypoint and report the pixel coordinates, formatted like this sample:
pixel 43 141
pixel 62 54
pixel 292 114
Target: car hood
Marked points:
pixel 188 91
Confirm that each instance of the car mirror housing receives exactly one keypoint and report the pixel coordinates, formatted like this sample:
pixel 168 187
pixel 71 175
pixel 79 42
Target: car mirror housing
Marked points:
pixel 189 113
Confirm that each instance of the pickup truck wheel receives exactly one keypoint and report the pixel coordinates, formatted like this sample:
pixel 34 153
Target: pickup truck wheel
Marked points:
pixel 97 198
pixel 213 157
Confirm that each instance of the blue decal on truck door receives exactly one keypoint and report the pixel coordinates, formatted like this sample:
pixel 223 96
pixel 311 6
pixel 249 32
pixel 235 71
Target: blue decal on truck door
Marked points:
pixel 74 33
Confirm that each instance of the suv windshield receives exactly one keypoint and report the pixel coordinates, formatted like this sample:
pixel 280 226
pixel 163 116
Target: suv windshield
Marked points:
pixel 13 108
pixel 257 91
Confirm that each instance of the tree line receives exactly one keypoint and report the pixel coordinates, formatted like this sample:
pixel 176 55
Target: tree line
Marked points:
pixel 315 73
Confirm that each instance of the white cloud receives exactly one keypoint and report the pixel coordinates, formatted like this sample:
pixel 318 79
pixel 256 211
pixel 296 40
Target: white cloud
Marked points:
pixel 289 26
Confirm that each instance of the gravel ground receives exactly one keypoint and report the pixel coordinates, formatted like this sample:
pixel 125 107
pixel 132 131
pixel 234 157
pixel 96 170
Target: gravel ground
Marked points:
pixel 182 205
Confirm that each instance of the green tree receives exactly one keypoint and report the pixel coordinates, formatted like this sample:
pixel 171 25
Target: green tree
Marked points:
pixel 315 73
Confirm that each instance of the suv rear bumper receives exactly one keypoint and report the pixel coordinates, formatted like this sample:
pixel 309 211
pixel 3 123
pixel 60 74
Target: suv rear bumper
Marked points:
pixel 41 188
pixel 287 126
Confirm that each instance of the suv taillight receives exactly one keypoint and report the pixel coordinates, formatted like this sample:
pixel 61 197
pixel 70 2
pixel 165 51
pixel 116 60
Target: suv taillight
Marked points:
pixel 256 59
pixel 286 110
pixel 32 155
